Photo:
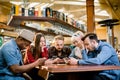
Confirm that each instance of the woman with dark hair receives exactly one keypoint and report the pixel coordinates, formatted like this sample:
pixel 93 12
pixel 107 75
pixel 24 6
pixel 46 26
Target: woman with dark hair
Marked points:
pixel 36 50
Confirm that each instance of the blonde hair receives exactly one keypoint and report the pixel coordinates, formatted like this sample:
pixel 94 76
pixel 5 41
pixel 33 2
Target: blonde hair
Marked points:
pixel 77 34
pixel 59 37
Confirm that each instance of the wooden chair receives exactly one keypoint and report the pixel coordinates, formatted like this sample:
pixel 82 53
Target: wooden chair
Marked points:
pixel 43 73
pixel 26 76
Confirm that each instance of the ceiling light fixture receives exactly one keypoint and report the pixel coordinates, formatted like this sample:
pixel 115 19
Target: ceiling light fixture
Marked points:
pixel 82 3
pixel 16 2
pixel 33 4
pixel 102 13
pixel 70 2
pixel 85 0
pixel 62 9
pixel 71 16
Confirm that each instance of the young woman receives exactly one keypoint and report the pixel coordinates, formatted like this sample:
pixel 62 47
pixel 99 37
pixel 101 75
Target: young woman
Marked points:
pixel 36 50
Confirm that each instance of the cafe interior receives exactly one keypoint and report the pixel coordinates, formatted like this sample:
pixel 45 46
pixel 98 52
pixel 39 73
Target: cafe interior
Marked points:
pixel 99 16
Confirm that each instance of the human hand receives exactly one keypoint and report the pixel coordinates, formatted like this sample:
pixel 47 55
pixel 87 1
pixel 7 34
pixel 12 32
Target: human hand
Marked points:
pixel 44 48
pixel 40 61
pixel 48 61
pixel 66 60
pixel 56 60
pixel 72 60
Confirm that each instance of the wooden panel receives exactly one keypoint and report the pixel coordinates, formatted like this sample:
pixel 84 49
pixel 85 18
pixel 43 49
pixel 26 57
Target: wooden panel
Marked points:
pixel 67 40
pixel 90 16
pixel 117 33
pixel 102 33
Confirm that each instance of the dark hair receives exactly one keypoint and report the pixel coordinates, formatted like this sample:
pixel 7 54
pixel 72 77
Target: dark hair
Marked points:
pixel 91 36
pixel 37 48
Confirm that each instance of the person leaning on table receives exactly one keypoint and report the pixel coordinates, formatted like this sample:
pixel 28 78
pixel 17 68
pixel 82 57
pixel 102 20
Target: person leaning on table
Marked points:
pixel 78 43
pixel 58 51
pixel 99 53
pixel 11 64
pixel 35 51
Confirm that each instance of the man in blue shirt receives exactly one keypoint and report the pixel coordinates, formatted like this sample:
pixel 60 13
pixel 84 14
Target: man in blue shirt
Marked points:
pixel 11 64
pixel 99 53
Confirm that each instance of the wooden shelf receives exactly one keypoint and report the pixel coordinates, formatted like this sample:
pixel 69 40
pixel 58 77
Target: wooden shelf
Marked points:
pixel 5 27
pixel 17 20
pixel 9 33
pixel 42 31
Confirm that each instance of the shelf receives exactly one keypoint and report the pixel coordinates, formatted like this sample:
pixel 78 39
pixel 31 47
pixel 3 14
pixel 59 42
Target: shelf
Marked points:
pixel 17 20
pixel 9 33
pixel 5 27
pixel 42 31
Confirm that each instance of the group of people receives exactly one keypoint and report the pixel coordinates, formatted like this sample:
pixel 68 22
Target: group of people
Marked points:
pixel 87 50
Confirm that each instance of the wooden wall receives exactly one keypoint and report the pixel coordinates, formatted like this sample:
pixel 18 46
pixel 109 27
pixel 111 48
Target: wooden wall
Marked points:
pixel 102 34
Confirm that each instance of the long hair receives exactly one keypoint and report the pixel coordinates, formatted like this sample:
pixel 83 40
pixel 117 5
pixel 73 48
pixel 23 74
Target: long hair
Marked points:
pixel 37 48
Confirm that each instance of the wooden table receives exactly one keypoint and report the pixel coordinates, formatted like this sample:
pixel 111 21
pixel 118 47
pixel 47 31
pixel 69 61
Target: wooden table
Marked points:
pixel 73 71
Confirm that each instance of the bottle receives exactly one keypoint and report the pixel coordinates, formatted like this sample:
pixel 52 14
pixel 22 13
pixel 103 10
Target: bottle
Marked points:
pixel 36 12
pixel 47 12
pixel 54 14
pixel 22 11
pixel 39 12
pixel 16 10
pixel 66 18
pixel 33 11
pixel 30 12
pixel 61 16
pixel 43 12
pixel 13 10
pixel 26 12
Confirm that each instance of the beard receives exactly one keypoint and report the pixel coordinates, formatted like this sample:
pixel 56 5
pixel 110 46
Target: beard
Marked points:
pixel 59 49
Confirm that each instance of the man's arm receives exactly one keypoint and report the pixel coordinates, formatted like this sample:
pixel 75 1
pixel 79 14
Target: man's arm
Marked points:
pixel 24 68
pixel 104 55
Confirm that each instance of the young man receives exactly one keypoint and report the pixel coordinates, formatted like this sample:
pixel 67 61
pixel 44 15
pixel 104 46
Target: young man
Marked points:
pixel 58 51
pixel 11 64
pixel 99 53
